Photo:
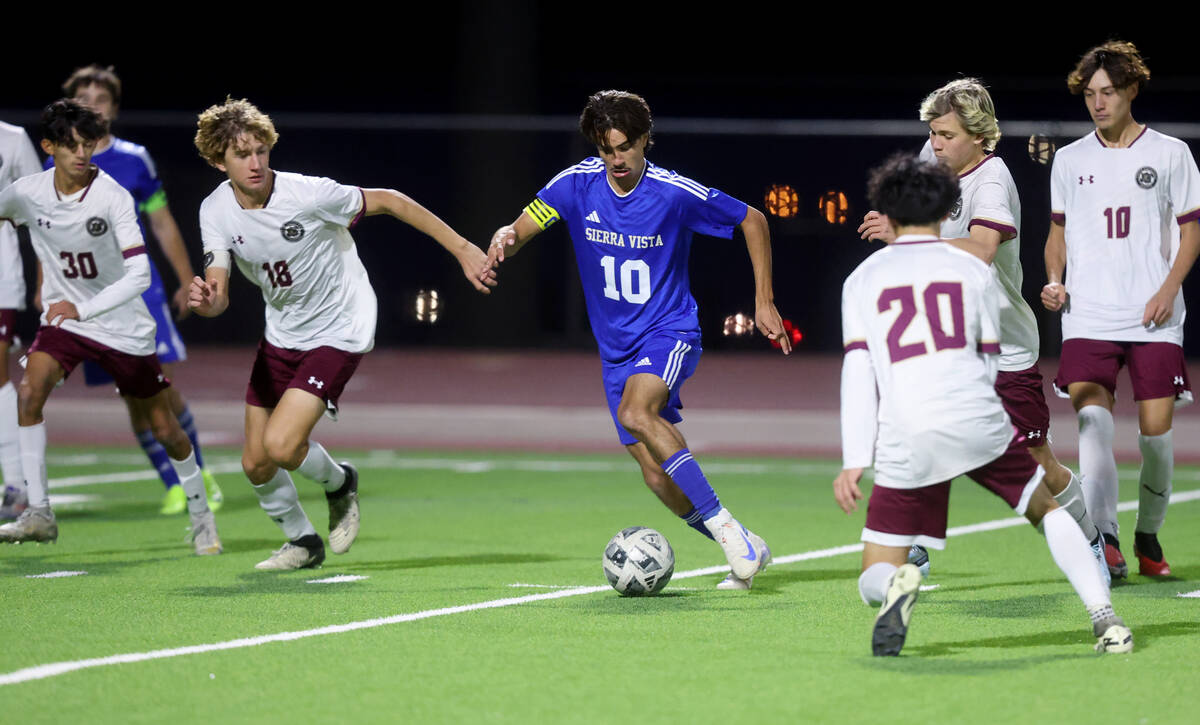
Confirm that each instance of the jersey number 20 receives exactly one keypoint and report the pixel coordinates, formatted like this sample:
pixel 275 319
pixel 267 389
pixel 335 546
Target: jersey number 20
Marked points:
pixel 629 268
pixel 942 340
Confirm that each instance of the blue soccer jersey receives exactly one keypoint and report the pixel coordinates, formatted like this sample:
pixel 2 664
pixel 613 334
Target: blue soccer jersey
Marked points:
pixel 633 249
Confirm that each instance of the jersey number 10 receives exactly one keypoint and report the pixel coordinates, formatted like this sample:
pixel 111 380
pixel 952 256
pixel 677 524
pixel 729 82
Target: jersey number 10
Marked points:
pixel 942 340
pixel 629 268
pixel 1118 222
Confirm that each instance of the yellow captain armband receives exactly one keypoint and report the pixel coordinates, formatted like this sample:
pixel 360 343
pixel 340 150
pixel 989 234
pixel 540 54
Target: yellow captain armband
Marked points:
pixel 542 213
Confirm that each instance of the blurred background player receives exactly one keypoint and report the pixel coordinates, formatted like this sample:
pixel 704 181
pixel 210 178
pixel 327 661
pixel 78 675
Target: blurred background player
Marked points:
pixel 290 235
pixel 17 159
pixel 86 236
pixel 1124 204
pixel 921 326
pixel 99 88
pixel 632 223
pixel 986 221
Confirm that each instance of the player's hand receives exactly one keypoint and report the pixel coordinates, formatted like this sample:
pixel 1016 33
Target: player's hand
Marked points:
pixel 845 489
pixel 477 267
pixel 770 324
pixel 201 296
pixel 60 312
pixel 505 236
pixel 1160 308
pixel 876 227
pixel 1054 296
pixel 179 301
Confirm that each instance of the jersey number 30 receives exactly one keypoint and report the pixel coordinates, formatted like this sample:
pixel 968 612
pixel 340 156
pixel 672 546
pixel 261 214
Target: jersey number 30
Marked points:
pixel 629 269
pixel 932 296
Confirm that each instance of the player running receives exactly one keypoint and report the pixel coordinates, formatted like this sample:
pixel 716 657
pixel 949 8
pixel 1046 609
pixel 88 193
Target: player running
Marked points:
pixel 99 89
pixel 986 221
pixel 290 235
pixel 921 324
pixel 1124 203
pixel 86 237
pixel 632 223
pixel 17 159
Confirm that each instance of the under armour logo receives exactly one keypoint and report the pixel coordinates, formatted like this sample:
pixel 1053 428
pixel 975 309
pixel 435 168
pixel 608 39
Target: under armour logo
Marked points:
pixel 1090 180
pixel 313 381
pixel 1178 380
pixel 44 223
pixel 1034 434
pixel 238 240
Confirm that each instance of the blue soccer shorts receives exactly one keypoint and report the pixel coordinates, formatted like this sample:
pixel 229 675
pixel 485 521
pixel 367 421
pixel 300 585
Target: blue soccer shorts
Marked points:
pixel 671 356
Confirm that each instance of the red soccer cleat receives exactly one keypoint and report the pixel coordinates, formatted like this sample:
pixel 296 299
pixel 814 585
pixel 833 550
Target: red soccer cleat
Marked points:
pixel 1116 562
pixel 1147 565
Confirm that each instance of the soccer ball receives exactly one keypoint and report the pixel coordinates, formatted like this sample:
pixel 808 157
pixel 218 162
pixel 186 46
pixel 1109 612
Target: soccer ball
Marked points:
pixel 638 561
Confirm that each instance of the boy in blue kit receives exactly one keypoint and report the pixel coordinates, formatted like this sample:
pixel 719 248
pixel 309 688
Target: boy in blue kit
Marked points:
pixel 99 89
pixel 632 223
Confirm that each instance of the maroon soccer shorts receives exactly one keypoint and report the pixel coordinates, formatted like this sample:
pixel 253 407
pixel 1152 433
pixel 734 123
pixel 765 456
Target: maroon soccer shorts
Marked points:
pixel 138 376
pixel 8 326
pixel 1024 399
pixel 323 371
pixel 1156 369
pixel 903 517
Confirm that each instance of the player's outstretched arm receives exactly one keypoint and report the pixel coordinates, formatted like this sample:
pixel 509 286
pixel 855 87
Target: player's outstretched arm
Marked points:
pixel 508 239
pixel 170 240
pixel 876 227
pixel 473 260
pixel 758 243
pixel 1162 305
pixel 1054 294
pixel 984 243
pixel 209 297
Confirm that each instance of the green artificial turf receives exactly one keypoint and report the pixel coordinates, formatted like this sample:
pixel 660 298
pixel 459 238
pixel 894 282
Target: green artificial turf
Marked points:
pixel 1001 639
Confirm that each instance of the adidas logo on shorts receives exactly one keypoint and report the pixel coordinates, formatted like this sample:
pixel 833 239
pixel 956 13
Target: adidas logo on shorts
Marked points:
pixel 643 362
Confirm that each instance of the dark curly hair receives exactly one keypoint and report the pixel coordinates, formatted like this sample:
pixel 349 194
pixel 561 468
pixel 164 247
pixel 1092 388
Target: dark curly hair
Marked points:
pixel 912 192
pixel 626 112
pixel 63 115
pixel 1119 59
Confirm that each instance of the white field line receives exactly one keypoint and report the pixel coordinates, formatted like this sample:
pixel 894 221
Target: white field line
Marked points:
pixel 55 574
pixel 1190 595
pixel 54 669
pixel 337 579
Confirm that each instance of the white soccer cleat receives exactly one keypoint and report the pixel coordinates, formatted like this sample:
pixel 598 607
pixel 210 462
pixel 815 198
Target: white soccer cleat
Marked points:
pixel 891 624
pixel 744 556
pixel 307 552
pixel 203 534
pixel 343 512
pixel 1097 548
pixel 1113 636
pixel 732 583
pixel 36 523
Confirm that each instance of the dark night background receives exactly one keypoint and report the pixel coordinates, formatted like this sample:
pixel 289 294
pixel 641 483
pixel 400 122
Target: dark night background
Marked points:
pixel 418 99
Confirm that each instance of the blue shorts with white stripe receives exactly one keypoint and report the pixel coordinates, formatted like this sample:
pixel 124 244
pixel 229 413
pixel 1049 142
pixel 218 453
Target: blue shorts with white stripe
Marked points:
pixel 672 356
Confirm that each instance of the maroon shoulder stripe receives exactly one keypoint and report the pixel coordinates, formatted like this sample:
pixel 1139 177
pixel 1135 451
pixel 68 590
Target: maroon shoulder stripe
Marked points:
pixel 1058 217
pixel 856 345
pixel 133 251
pixel 1192 215
pixel 989 347
pixel 1006 230
pixel 362 210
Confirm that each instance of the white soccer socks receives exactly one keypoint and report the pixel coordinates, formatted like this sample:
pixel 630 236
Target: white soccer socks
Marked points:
pixel 1071 499
pixel 32 440
pixel 1098 467
pixel 10 448
pixel 278 497
pixel 319 466
pixel 1073 555
pixel 873 583
pixel 1154 493
pixel 192 482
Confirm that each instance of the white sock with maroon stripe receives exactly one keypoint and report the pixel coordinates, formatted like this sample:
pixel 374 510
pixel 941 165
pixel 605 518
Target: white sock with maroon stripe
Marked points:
pixel 192 482
pixel 874 582
pixel 33 462
pixel 319 466
pixel 278 497
pixel 1098 467
pixel 10 447
pixel 1154 493
pixel 1073 555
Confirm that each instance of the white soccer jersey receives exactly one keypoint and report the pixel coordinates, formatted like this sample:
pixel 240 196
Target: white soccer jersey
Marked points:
pixel 299 251
pixel 1122 208
pixel 989 198
pixel 17 159
pixel 82 242
pixel 928 315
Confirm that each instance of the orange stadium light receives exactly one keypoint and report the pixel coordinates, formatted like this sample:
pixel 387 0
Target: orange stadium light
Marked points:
pixel 737 325
pixel 782 201
pixel 428 306
pixel 834 207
